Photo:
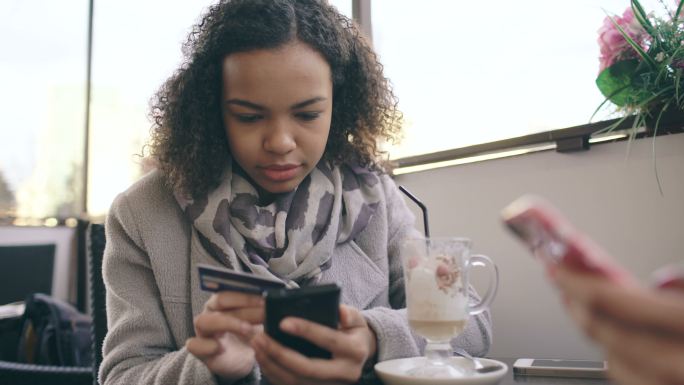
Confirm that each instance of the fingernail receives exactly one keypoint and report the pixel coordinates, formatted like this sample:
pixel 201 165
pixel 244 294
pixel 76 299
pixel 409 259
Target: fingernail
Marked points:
pixel 256 341
pixel 245 328
pixel 213 299
pixel 261 341
pixel 287 325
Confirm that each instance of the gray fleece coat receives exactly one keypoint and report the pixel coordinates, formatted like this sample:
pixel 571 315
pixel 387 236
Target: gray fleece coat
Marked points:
pixel 153 293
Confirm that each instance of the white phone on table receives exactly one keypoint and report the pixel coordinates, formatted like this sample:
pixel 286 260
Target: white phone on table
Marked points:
pixel 559 368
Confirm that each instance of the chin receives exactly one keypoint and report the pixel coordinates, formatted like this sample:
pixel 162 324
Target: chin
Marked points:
pixel 281 188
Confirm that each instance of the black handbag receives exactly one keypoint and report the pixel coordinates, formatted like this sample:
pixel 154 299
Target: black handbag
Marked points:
pixel 54 333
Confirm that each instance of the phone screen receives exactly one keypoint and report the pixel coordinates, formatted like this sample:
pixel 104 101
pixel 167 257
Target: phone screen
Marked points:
pixel 567 364
pixel 544 243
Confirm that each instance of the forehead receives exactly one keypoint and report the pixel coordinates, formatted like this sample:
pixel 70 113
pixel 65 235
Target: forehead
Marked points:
pixel 295 65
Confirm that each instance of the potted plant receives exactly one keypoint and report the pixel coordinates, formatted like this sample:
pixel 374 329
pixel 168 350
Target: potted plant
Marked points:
pixel 642 67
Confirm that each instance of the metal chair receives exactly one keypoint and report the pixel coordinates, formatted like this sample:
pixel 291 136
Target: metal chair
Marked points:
pixel 29 374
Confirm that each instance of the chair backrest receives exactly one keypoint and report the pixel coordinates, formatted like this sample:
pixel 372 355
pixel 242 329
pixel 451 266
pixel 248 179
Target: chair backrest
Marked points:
pixel 29 374
pixel 95 245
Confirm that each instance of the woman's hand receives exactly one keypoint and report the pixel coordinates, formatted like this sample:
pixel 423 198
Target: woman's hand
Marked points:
pixel 640 329
pixel 223 331
pixel 351 346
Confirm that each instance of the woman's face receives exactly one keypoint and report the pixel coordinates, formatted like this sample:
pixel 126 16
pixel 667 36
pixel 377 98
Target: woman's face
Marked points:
pixel 277 106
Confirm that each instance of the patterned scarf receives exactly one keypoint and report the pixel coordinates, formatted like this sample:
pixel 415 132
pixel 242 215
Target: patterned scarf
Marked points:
pixel 293 237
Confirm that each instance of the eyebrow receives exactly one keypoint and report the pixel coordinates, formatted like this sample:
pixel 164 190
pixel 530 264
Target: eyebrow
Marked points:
pixel 254 106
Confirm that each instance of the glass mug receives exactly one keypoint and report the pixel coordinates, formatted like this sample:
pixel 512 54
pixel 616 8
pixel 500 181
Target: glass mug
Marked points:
pixel 437 300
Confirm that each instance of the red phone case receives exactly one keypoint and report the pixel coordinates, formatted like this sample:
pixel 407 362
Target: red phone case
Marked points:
pixel 553 239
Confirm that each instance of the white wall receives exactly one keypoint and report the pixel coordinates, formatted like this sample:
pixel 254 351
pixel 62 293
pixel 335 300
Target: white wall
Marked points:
pixel 612 196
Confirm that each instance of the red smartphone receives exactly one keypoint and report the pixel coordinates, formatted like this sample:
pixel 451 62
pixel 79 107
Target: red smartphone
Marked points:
pixel 553 239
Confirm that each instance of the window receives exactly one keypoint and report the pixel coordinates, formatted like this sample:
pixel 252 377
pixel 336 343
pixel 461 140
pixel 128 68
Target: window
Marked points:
pixel 469 72
pixel 137 46
pixel 465 72
pixel 42 105
pixel 343 6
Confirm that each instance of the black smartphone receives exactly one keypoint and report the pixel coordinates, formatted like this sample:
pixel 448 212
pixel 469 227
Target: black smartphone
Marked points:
pixel 319 304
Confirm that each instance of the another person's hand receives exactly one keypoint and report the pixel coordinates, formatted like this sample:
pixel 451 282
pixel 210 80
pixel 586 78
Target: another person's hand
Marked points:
pixel 641 330
pixel 351 345
pixel 223 331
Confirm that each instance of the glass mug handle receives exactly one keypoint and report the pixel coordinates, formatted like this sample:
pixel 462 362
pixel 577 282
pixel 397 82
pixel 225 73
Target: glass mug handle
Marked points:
pixel 484 261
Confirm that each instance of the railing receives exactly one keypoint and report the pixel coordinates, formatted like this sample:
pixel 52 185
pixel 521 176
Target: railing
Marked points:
pixel 570 139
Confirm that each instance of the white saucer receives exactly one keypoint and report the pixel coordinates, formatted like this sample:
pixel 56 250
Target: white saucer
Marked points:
pixel 395 372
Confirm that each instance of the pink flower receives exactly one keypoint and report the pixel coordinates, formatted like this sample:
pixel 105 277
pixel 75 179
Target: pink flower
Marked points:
pixel 614 46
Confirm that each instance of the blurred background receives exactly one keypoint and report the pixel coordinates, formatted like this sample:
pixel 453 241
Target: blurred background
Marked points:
pixel 465 72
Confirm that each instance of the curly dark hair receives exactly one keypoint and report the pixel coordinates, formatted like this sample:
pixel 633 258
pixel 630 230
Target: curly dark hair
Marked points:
pixel 188 139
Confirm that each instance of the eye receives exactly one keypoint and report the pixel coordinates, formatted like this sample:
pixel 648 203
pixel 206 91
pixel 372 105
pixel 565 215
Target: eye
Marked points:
pixel 248 118
pixel 308 115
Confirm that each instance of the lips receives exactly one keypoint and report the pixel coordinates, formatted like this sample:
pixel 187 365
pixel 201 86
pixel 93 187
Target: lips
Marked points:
pixel 280 173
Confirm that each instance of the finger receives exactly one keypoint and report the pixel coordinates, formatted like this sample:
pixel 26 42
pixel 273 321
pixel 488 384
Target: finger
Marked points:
pixel 305 367
pixel 335 341
pixel 652 355
pixel 574 283
pixel 270 367
pixel 209 324
pixel 350 318
pixel 226 300
pixel 202 347
pixel 253 315
pixel 659 310
pixel 626 374
pixel 580 314
pixel 348 355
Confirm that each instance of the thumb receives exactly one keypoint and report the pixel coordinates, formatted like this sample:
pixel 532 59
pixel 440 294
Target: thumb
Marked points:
pixel 350 317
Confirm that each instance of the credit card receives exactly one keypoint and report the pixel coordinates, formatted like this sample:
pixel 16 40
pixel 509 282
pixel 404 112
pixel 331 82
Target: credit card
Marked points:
pixel 215 279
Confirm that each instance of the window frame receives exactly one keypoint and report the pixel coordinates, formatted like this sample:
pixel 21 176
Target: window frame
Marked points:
pixel 563 140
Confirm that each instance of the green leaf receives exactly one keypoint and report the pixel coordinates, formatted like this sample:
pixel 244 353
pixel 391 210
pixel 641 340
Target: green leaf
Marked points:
pixel 617 83
pixel 678 82
pixel 642 17
pixel 606 100
pixel 676 15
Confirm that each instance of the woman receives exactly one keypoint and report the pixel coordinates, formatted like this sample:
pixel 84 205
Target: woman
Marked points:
pixel 267 144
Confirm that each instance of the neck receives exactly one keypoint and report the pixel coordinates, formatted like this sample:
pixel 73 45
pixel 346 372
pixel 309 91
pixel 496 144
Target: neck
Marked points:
pixel 265 197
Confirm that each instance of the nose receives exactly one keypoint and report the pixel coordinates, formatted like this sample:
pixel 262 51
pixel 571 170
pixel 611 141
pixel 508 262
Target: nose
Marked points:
pixel 280 138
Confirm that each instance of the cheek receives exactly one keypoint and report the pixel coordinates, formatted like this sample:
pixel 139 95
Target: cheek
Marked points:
pixel 321 141
pixel 231 142
pixel 240 146
pixel 325 132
